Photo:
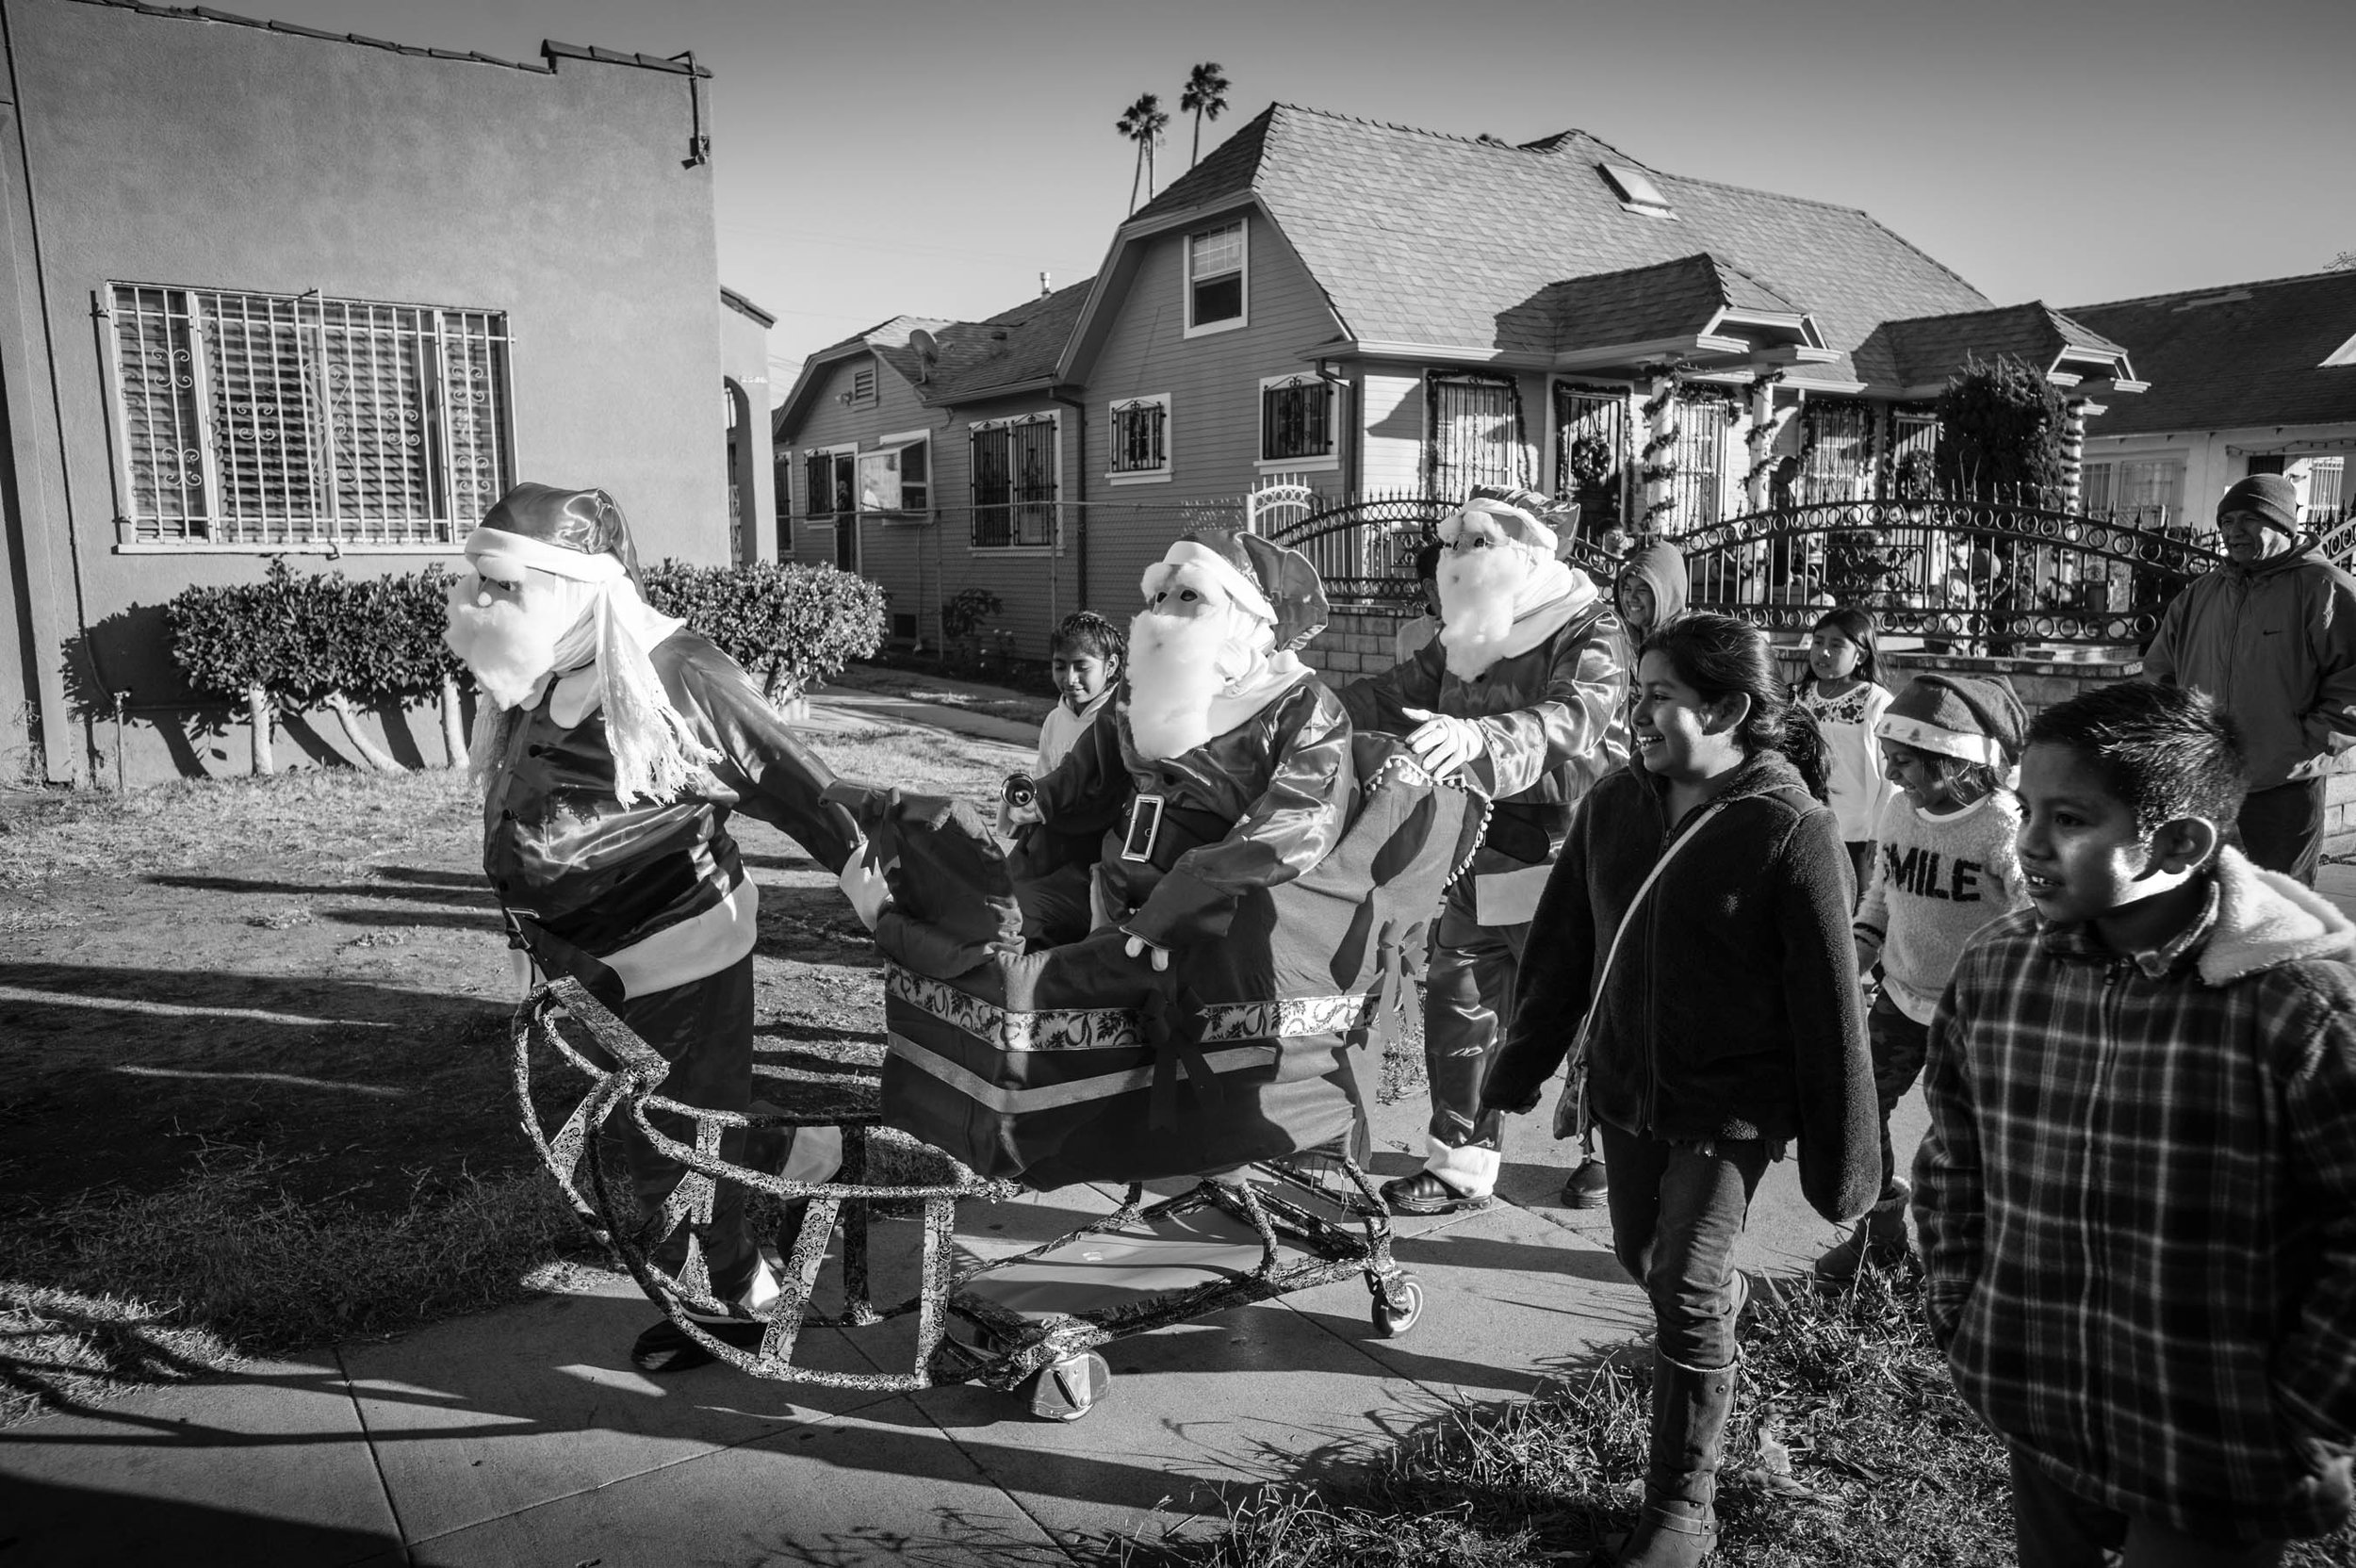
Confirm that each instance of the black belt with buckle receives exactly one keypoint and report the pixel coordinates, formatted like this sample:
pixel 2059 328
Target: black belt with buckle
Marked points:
pixel 1155 833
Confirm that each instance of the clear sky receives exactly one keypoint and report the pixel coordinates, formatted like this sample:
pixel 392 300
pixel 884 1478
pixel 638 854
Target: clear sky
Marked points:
pixel 932 158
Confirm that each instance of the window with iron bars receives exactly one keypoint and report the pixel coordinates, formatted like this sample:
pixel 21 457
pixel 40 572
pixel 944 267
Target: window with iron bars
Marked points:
pixel 1836 438
pixel 1592 455
pixel 264 420
pixel 1140 436
pixel 1476 426
pixel 1296 419
pixel 830 482
pixel 1014 468
pixel 1698 486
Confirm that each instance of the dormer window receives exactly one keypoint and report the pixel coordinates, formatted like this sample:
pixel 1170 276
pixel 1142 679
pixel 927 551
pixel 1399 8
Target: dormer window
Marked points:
pixel 1215 279
pixel 1635 190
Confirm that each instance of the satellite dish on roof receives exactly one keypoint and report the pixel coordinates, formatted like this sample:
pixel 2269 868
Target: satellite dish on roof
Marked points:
pixel 925 343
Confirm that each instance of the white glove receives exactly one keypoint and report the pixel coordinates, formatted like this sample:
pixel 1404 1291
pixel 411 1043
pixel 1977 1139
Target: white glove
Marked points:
pixel 1137 945
pixel 1444 744
pixel 863 882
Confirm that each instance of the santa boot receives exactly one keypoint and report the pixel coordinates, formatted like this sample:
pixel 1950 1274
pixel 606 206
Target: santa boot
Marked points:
pixel 1678 1525
pixel 1879 1239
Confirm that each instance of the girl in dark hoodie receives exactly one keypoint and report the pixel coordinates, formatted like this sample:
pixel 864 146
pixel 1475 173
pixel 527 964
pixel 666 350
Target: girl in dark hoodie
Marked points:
pixel 1728 1025
pixel 1650 591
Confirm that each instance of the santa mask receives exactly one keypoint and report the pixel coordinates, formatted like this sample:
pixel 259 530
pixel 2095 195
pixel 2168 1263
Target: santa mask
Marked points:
pixel 1484 574
pixel 1192 642
pixel 512 626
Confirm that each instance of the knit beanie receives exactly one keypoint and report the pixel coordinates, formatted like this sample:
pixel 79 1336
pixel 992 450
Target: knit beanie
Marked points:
pixel 2270 496
pixel 1953 716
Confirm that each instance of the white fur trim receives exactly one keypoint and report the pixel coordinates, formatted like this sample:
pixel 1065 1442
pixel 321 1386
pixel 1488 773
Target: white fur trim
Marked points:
pixel 1471 1171
pixel 1945 743
pixel 2264 918
pixel 1187 554
pixel 1518 524
pixel 542 556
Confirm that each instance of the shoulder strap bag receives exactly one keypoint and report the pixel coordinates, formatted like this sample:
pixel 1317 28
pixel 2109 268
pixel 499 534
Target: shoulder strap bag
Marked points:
pixel 1570 1112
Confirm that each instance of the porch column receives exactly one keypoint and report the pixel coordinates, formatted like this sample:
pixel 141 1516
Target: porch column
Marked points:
pixel 1766 424
pixel 1659 466
pixel 2074 451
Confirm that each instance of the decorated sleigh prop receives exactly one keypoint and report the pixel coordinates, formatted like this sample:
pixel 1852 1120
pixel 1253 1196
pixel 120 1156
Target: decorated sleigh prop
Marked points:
pixel 1240 1064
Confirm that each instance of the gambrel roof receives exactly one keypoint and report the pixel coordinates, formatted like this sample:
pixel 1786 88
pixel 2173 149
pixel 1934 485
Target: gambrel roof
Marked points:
pixel 1478 246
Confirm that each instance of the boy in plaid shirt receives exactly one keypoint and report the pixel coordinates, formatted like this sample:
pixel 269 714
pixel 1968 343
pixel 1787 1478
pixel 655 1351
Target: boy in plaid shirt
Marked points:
pixel 2137 1199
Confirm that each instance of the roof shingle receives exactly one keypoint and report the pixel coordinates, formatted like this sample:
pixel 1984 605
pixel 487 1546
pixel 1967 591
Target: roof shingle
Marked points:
pixel 2226 358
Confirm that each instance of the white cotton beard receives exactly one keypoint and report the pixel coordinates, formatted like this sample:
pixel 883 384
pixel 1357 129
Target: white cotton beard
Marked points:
pixel 511 646
pixel 1480 596
pixel 657 754
pixel 1177 665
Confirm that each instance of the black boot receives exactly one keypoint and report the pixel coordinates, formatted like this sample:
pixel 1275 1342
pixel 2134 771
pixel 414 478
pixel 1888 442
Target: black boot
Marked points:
pixel 1678 1526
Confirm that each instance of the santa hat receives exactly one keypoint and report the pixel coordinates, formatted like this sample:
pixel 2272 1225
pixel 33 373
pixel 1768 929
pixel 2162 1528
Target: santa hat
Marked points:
pixel 575 534
pixel 1522 515
pixel 1269 582
pixel 1953 716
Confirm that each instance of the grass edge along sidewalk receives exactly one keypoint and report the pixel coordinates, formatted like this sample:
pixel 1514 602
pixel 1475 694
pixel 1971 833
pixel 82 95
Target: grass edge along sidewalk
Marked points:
pixel 1848 1445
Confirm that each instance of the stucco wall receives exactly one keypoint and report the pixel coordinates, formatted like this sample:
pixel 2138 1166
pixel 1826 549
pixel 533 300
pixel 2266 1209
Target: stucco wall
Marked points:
pixel 745 365
pixel 185 151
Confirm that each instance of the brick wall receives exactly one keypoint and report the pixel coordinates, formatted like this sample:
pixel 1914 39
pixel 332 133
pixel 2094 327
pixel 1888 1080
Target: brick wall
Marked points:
pixel 1358 642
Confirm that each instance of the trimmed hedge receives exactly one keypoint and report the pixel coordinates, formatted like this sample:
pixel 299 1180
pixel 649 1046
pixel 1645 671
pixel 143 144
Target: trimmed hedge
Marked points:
pixel 793 627
pixel 334 641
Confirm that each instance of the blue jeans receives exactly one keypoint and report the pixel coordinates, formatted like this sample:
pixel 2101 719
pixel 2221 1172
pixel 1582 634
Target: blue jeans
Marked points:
pixel 1676 1212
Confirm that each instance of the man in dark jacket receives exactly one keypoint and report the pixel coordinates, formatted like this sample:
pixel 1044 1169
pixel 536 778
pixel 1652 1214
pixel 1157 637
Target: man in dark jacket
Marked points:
pixel 2271 635
pixel 1524 690
pixel 616 746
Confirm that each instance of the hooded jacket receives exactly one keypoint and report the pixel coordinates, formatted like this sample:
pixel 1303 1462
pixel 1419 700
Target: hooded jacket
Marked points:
pixel 2137 1205
pixel 2275 643
pixel 1661 569
pixel 1732 1010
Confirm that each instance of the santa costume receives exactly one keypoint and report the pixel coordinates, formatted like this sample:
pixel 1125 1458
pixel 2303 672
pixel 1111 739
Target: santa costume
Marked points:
pixel 616 745
pixel 1227 765
pixel 1525 690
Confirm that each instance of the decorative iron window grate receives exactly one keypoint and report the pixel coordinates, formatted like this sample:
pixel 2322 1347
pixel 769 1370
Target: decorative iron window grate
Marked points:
pixel 1592 452
pixel 1911 472
pixel 1836 452
pixel 1014 482
pixel 1476 426
pixel 1698 487
pixel 1141 435
pixel 1295 419
pixel 262 419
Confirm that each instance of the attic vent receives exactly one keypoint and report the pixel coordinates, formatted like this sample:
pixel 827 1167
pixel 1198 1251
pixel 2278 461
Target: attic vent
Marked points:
pixel 2344 354
pixel 1635 190
pixel 2230 297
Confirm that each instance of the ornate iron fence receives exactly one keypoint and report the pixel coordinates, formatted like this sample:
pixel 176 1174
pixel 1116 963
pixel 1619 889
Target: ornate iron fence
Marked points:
pixel 1982 577
pixel 1364 551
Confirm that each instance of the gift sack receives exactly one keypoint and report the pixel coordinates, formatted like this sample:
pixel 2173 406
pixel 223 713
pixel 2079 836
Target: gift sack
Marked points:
pixel 1080 1063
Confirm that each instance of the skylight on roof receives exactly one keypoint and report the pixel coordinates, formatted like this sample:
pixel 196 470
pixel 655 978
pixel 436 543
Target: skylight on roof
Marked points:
pixel 1635 189
pixel 2344 354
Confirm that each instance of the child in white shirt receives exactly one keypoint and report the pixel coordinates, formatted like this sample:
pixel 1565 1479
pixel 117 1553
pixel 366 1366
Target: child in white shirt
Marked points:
pixel 1843 693
pixel 1944 865
pixel 1084 657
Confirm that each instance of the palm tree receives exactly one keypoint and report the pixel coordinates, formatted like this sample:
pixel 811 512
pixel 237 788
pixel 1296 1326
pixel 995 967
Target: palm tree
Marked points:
pixel 1205 98
pixel 1142 122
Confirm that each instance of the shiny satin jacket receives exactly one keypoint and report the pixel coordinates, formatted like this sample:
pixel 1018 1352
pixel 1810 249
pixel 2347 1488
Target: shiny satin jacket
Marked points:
pixel 562 851
pixel 1554 717
pixel 1283 779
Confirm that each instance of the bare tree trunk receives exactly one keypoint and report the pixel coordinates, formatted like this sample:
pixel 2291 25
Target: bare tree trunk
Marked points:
pixel 1137 172
pixel 453 723
pixel 257 719
pixel 1197 155
pixel 371 753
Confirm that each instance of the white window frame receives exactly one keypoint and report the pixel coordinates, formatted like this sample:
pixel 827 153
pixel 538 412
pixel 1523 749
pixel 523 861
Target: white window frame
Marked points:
pixel 471 459
pixel 998 552
pixel 2178 457
pixel 1113 411
pixel 1243 274
pixel 898 441
pixel 810 503
pixel 1330 460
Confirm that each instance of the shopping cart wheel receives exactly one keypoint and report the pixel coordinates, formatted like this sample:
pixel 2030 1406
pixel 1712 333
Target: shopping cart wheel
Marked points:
pixel 1396 1305
pixel 1068 1389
